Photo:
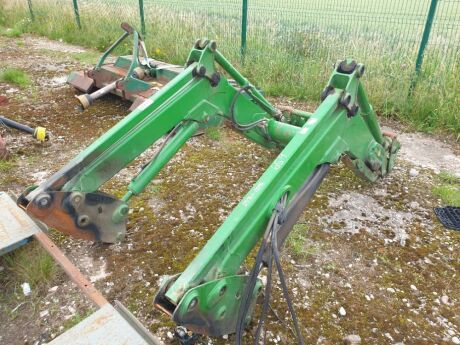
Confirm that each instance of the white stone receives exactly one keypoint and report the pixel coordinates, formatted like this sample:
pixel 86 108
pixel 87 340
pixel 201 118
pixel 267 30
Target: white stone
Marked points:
pixel 352 339
pixel 342 311
pixel 26 289
pixel 445 299
pixel 44 313
pixel 53 289
pixel 455 340
pixel 413 287
pixel 170 335
pixel 413 172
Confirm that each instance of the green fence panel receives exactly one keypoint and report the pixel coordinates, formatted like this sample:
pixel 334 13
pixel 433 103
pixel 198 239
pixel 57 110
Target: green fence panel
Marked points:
pixel 31 11
pixel 173 26
pixel 289 46
pixel 77 13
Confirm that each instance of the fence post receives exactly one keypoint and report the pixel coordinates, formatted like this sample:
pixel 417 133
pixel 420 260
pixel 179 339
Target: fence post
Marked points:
pixel 141 13
pixel 77 13
pixel 32 16
pixel 423 43
pixel 244 27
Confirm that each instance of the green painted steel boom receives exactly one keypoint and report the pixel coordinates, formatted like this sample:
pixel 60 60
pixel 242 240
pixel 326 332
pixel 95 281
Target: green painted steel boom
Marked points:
pixel 206 297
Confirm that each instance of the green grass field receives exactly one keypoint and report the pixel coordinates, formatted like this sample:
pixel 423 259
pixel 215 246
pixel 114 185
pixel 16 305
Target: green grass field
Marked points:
pixel 291 45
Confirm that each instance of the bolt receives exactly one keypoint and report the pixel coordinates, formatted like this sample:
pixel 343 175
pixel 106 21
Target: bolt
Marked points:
pixel 360 70
pixel 43 200
pixel 193 303
pixel 213 46
pixel 76 198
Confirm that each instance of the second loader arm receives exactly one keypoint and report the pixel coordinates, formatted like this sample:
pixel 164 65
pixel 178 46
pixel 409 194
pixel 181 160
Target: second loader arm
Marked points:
pixel 206 297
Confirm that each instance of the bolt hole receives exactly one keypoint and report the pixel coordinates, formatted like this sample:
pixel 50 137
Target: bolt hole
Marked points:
pixel 193 303
pixel 222 290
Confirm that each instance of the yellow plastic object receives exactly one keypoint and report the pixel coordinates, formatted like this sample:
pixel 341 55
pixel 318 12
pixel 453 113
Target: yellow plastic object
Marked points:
pixel 40 133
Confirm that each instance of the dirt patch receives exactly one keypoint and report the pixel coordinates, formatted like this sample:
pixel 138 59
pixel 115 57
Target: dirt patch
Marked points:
pixel 357 212
pixel 428 152
pixel 40 43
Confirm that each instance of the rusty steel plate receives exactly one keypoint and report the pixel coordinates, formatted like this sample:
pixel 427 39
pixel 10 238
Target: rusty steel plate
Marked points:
pixel 16 227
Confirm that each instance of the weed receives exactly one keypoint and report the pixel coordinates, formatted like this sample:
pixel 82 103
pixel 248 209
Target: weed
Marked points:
pixel 87 57
pixel 448 189
pixel 296 242
pixel 11 32
pixel 213 133
pixel 6 166
pixel 15 76
pixel 31 264
pixel 76 319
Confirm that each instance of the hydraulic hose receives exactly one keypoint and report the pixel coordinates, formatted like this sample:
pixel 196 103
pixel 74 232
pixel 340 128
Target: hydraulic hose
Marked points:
pixel 38 133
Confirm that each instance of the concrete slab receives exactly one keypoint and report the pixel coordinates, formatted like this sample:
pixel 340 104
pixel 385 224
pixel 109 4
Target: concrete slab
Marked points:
pixel 106 326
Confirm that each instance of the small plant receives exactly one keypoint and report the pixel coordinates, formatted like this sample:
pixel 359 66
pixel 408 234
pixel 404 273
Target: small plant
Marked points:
pixel 6 166
pixel 11 33
pixel 297 243
pixel 448 189
pixel 31 264
pixel 76 319
pixel 15 76
pixel 213 133
pixel 87 57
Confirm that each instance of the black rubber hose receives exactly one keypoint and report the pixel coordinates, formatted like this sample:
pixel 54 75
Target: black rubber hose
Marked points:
pixel 16 125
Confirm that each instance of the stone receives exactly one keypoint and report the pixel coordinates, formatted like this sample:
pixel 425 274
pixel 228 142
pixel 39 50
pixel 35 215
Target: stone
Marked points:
pixel 413 172
pixel 352 339
pixel 342 311
pixel 26 289
pixel 53 289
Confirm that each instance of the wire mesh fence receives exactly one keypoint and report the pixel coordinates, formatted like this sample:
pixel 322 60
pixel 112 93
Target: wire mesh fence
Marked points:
pixel 290 45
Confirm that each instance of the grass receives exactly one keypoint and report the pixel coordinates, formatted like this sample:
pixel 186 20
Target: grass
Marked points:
pixel 296 242
pixel 76 319
pixel 290 51
pixel 11 32
pixel 31 264
pixel 15 76
pixel 89 57
pixel 213 133
pixel 6 166
pixel 448 189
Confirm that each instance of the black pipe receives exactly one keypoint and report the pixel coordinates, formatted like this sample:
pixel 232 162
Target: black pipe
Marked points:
pixel 16 125
pixel 23 128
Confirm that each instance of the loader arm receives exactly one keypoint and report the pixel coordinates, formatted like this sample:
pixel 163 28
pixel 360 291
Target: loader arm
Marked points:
pixel 206 297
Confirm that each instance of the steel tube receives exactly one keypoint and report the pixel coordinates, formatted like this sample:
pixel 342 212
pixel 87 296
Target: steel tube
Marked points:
pixel 87 99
